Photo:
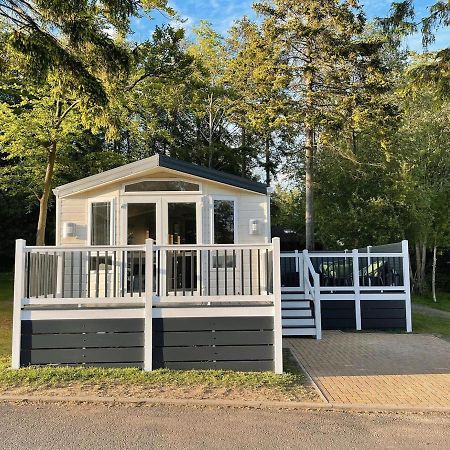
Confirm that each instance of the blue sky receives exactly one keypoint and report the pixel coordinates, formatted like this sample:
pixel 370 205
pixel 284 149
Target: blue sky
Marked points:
pixel 222 14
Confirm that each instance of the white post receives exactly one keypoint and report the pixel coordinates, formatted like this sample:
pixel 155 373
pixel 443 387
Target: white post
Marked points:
pixel 406 284
pixel 317 306
pixel 148 306
pixel 369 262
pixel 19 294
pixel 357 289
pixel 277 325
pixel 305 270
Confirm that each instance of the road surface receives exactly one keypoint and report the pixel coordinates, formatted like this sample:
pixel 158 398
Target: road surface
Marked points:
pixel 66 426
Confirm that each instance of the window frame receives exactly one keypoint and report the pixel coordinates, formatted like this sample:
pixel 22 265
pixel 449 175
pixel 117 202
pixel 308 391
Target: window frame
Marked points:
pixel 235 216
pixel 112 234
pixel 199 192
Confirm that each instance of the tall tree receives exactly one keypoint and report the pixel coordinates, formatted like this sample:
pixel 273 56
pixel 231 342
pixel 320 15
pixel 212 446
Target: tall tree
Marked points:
pixel 258 100
pixel 330 63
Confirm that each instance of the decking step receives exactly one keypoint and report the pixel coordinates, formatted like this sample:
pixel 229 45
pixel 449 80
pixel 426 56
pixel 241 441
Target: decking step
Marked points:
pixel 297 322
pixel 299 331
pixel 294 304
pixel 296 313
pixel 292 296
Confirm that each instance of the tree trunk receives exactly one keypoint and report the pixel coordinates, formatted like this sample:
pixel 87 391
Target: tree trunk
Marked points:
pixel 309 188
pixel 433 275
pixel 267 159
pixel 421 254
pixel 210 132
pixel 43 201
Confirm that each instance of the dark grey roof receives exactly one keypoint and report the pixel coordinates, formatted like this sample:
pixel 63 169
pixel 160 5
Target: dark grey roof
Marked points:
pixel 135 168
pixel 212 174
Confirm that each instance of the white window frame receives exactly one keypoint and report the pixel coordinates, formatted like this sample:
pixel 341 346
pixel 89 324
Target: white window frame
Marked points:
pixel 233 199
pixel 199 192
pixel 230 198
pixel 112 230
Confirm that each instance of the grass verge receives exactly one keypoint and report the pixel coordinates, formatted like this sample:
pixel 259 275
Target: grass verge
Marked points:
pixel 292 385
pixel 424 323
pixel 442 303
pixel 6 302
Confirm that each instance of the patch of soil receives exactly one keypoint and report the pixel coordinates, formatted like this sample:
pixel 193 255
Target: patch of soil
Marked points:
pixel 301 393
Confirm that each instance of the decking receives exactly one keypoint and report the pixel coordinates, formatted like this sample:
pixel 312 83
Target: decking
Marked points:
pixel 197 306
pixel 362 289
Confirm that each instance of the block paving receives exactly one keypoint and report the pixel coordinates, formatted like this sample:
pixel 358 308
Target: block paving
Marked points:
pixel 377 368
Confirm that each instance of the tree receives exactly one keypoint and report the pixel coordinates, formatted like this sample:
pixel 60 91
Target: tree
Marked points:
pixel 331 63
pixel 258 100
pixel 64 36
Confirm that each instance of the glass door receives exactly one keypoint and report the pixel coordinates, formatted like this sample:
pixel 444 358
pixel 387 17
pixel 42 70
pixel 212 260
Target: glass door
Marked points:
pixel 140 224
pixel 181 265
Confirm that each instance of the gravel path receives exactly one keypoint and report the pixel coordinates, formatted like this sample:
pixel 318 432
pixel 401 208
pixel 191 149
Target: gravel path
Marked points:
pixel 65 426
pixel 430 311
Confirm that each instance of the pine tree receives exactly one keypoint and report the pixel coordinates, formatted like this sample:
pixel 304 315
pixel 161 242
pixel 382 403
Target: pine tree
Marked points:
pixel 330 64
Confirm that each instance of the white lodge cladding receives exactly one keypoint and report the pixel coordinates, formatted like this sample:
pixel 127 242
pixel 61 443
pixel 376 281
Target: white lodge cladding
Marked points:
pixel 163 263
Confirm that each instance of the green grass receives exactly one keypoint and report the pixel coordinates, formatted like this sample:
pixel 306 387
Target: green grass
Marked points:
pixel 442 303
pixel 6 301
pixel 292 382
pixel 424 323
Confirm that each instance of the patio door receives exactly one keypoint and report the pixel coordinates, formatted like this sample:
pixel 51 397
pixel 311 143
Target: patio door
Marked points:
pixel 182 222
pixel 168 220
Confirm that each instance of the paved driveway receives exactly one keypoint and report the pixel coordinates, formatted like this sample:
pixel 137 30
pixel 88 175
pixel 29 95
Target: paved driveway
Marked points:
pixel 378 368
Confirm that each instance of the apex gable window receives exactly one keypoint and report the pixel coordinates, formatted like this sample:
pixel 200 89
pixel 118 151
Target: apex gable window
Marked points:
pixel 101 223
pixel 162 186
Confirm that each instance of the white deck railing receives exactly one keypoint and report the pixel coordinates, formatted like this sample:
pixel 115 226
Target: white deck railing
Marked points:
pixel 148 281
pixel 357 275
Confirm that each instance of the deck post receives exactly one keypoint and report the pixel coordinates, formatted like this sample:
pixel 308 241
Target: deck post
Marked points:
pixel 277 326
pixel 317 307
pixel 19 294
pixel 357 289
pixel 406 284
pixel 148 306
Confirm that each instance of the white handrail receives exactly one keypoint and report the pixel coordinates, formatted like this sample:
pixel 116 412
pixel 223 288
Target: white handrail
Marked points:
pixel 314 291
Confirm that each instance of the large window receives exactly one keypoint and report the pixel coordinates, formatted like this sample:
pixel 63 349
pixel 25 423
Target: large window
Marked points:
pixel 101 223
pixel 223 222
pixel 162 185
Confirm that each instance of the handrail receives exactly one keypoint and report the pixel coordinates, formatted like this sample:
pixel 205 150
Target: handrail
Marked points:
pixel 313 290
pixel 83 248
pixel 213 247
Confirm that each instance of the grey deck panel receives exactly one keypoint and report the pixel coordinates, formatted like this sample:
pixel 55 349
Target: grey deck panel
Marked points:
pixel 213 323
pixel 82 326
pixel 80 355
pixel 188 338
pixel 105 340
pixel 208 353
pixel 247 366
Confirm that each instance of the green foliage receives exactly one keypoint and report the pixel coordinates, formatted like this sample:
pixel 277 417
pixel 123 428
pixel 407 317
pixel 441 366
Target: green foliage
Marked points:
pixel 424 323
pixel 74 37
pixel 442 301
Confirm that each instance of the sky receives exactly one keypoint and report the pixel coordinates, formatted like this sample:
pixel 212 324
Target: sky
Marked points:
pixel 222 14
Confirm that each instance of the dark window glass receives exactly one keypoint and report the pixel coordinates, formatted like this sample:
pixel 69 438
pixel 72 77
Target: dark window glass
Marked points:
pixel 223 222
pixel 167 185
pixel 141 222
pixel 182 223
pixel 101 223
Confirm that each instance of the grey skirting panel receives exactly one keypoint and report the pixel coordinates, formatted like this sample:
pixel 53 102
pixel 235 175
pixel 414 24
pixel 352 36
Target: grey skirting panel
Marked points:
pixel 238 343
pixel 375 314
pixel 338 314
pixel 378 314
pixel 94 342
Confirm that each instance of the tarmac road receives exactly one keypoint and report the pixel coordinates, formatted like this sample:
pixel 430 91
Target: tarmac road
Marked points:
pixel 89 426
